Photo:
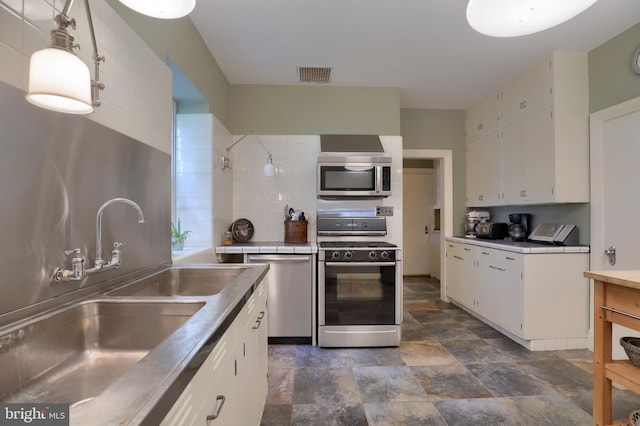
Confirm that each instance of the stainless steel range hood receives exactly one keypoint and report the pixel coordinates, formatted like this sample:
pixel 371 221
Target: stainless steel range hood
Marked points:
pixel 369 145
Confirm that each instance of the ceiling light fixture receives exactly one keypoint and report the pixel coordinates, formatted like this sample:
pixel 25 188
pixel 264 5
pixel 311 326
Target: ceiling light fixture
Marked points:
pixel 58 79
pixel 163 9
pixel 512 18
pixel 269 169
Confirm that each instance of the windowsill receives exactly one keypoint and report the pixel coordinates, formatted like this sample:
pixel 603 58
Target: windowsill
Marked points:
pixel 195 253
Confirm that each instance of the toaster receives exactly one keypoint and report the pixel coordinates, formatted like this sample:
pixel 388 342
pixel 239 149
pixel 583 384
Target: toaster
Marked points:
pixel 492 230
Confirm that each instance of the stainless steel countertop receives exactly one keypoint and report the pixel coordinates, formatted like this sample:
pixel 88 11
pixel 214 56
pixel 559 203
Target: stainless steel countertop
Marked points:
pixel 525 247
pixel 146 393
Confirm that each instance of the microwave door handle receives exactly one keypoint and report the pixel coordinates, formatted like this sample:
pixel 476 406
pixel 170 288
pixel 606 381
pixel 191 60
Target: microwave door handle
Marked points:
pixel 355 168
pixel 378 178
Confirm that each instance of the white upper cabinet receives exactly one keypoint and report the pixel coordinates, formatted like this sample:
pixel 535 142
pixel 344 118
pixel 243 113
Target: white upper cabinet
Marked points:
pixel 543 127
pixel 483 118
pixel 527 93
pixel 483 171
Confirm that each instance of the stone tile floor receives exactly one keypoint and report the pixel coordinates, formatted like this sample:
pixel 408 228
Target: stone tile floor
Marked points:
pixel 450 369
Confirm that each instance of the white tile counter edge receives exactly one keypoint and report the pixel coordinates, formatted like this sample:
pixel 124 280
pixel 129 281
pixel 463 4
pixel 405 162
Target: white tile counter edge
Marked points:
pixel 524 250
pixel 270 248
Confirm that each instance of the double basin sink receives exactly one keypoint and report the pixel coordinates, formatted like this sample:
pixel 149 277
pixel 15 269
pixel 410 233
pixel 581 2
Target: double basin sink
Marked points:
pixel 76 353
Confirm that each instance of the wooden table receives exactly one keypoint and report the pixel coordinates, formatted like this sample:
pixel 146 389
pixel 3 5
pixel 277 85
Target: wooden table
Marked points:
pixel 616 301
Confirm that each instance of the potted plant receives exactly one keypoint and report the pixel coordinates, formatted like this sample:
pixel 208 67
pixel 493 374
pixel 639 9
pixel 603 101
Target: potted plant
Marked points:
pixel 178 237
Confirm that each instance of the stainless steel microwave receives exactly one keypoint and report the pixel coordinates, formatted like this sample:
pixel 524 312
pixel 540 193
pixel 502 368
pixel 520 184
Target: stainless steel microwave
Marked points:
pixel 354 176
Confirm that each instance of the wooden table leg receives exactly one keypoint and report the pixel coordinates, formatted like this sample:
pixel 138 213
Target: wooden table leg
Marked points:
pixel 601 355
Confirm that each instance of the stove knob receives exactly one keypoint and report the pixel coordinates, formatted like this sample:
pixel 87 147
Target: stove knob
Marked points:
pixel 372 255
pixel 384 255
pixel 348 255
pixel 335 255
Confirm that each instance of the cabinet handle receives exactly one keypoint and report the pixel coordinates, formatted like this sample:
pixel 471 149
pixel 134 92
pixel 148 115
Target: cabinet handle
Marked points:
pixel 467 249
pixel 500 269
pixel 261 315
pixel 523 104
pixel 215 415
pixel 492 267
pixel 486 253
pixel 480 197
pixel 255 327
pixel 480 126
pixel 523 193
pixel 509 258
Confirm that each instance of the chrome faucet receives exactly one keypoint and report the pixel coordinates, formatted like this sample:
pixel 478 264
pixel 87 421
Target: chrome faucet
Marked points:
pixel 78 270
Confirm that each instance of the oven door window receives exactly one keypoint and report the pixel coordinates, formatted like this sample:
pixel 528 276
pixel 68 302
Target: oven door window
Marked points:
pixel 339 178
pixel 360 295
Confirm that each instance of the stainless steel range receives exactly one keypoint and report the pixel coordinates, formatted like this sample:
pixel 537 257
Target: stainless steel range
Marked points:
pixel 359 284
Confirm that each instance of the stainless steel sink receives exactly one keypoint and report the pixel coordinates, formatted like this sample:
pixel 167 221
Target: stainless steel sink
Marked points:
pixel 73 355
pixel 183 281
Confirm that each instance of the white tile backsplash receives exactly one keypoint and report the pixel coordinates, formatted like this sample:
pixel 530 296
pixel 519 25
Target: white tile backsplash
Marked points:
pixel 262 199
pixel 138 83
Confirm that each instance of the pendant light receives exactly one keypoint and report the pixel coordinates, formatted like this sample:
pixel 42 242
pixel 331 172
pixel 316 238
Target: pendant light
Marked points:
pixel 163 9
pixel 512 18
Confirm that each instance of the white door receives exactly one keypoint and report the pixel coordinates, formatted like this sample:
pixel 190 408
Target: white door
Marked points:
pixel 615 200
pixel 417 209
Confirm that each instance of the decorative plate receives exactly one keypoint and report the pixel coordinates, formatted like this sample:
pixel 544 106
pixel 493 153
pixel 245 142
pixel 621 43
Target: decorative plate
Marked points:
pixel 241 230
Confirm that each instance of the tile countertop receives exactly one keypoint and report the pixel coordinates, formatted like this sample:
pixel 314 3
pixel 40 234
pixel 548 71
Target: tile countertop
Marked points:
pixel 269 247
pixel 525 247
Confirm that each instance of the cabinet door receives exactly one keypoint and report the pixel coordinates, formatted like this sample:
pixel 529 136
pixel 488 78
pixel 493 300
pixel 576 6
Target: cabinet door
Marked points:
pixel 483 171
pixel 510 286
pixel 528 159
pixel 483 118
pixel 461 273
pixel 251 356
pixel 204 400
pixel 539 148
pixel 488 295
pixel 512 163
pixel 528 92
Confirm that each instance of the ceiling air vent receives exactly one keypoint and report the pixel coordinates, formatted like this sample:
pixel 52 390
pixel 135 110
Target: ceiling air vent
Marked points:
pixel 319 75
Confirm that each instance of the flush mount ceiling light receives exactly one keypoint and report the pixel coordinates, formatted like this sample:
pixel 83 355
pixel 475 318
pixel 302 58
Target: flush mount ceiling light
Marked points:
pixel 269 169
pixel 58 79
pixel 163 9
pixel 512 18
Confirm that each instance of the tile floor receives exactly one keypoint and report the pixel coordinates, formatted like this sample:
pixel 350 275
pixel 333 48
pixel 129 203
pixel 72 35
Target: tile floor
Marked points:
pixel 450 369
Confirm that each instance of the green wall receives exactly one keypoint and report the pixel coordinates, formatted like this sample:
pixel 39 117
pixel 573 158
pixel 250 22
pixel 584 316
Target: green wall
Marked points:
pixel 611 79
pixel 179 40
pixel 440 129
pixel 312 110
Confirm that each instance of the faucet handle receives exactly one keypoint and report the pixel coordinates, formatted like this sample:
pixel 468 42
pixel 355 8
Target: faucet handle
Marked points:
pixel 117 245
pixel 76 252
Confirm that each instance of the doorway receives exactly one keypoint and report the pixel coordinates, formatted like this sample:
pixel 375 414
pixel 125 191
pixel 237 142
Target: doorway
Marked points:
pixel 418 203
pixel 444 160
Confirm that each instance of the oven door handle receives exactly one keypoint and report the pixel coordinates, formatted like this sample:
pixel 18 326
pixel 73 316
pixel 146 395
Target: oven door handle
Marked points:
pixel 360 263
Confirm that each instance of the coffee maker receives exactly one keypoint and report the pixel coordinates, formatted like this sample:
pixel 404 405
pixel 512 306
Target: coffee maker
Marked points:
pixel 520 226
pixel 473 218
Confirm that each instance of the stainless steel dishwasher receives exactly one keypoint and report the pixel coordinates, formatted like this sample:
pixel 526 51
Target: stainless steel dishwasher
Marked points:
pixel 289 296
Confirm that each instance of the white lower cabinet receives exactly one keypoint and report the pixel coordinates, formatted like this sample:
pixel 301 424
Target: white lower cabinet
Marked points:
pixel 539 296
pixel 230 387
pixel 461 271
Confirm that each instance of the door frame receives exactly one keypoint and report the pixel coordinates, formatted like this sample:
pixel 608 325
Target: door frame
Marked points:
pixel 597 121
pixel 446 200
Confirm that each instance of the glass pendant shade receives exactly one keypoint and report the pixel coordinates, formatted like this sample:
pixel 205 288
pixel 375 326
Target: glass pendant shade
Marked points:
pixel 269 168
pixel 59 81
pixel 163 9
pixel 511 18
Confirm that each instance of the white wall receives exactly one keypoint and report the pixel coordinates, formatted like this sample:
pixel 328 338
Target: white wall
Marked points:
pixel 137 97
